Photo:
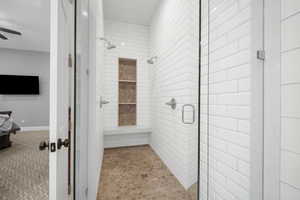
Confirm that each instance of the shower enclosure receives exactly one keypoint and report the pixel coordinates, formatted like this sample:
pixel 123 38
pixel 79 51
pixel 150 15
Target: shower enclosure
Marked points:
pixel 249 113
pixel 222 114
pixel 226 160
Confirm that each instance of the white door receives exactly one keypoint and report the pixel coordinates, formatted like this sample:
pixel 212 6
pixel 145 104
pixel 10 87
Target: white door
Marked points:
pixel 62 31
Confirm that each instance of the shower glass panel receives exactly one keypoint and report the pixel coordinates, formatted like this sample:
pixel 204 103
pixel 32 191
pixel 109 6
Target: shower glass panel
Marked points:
pixel 203 121
pixel 225 100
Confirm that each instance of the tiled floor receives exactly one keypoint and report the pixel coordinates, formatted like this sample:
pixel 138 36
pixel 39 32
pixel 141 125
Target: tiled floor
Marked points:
pixel 137 173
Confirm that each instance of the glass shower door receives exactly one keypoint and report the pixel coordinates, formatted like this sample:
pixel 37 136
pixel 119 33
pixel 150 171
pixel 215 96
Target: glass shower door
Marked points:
pixel 225 114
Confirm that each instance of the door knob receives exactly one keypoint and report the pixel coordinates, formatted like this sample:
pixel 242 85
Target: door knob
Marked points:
pixel 65 143
pixel 44 145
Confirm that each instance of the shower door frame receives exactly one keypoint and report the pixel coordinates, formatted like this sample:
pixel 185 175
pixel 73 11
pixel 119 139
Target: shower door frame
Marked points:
pixel 272 99
pixel 266 100
pixel 199 99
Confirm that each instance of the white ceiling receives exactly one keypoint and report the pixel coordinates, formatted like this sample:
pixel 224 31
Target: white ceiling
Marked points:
pixel 130 11
pixel 32 18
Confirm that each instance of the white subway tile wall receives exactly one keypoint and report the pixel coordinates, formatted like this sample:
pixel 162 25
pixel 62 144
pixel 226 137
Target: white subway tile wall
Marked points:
pixel 290 100
pixel 174 39
pixel 132 41
pixel 225 99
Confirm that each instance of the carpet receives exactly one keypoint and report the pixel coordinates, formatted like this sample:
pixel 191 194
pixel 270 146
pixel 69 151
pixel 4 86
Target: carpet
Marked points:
pixel 24 170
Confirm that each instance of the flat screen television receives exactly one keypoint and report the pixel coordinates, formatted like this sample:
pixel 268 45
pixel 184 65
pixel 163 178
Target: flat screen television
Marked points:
pixel 19 85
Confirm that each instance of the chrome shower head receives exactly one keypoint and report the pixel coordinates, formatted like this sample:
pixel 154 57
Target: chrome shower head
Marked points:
pixel 108 44
pixel 152 60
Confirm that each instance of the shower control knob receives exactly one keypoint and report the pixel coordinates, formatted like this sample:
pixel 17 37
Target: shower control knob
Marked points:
pixel 172 103
pixel 103 102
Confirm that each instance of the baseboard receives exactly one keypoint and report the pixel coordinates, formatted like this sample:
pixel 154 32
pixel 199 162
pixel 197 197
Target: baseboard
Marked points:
pixel 35 128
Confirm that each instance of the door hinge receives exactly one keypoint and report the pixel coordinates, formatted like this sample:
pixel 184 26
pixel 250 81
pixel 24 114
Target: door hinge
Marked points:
pixel 70 60
pixel 261 55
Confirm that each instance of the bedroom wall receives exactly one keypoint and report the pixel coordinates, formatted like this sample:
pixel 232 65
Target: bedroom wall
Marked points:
pixel 28 110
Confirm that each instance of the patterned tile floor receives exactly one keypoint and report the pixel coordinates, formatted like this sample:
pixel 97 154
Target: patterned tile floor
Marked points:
pixel 24 169
pixel 137 173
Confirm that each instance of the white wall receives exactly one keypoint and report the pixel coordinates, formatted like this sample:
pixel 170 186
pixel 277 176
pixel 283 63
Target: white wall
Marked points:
pixel 95 134
pixel 173 38
pixel 132 41
pixel 228 77
pixel 290 101
pixel 83 114
pixel 28 110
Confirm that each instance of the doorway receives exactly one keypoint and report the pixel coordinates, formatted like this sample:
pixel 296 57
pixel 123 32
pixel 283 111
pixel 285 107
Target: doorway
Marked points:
pixel 24 99
pixel 149 81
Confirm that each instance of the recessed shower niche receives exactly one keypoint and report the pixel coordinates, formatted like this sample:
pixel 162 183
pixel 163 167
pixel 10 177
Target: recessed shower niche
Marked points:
pixel 127 92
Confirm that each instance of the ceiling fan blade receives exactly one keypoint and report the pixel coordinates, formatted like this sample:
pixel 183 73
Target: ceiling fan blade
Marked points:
pixel 10 31
pixel 3 37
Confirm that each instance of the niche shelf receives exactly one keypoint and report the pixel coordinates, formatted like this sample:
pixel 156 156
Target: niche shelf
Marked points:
pixel 127 92
pixel 127 81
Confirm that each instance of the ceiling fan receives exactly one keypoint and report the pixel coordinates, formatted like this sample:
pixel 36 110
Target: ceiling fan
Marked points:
pixel 6 30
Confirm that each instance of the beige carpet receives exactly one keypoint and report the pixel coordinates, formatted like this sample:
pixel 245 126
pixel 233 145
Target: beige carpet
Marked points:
pixel 137 173
pixel 24 169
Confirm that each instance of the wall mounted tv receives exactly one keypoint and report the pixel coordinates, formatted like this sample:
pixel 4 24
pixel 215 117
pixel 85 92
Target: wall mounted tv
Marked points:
pixel 19 85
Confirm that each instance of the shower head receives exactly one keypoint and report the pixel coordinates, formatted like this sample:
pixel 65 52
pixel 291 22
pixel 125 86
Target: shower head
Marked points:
pixel 152 60
pixel 108 44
